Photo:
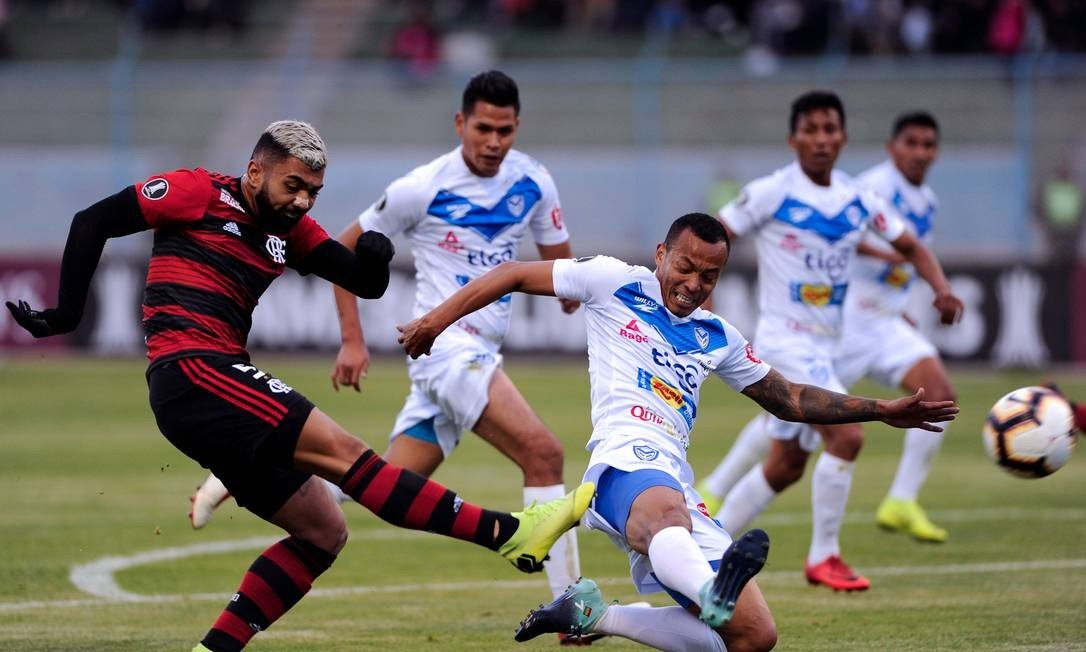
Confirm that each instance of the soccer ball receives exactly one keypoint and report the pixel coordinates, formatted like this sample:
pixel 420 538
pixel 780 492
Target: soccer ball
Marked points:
pixel 1030 432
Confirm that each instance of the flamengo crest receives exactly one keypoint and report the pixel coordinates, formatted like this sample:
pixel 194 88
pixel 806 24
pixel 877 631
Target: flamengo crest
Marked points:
pixel 277 249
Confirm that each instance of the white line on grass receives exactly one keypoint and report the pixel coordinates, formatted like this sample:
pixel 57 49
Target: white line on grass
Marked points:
pixel 97 577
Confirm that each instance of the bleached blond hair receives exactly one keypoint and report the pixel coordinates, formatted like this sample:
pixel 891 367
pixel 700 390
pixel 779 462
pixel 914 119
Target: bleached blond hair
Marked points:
pixel 293 138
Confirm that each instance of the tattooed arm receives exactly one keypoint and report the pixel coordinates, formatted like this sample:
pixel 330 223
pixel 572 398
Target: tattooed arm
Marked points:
pixel 810 404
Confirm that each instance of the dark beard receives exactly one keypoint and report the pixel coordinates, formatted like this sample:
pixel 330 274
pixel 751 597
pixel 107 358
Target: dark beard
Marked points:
pixel 273 221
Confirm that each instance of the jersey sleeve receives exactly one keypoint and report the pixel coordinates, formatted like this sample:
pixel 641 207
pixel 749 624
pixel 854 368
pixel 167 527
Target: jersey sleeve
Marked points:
pixel 306 236
pixel 740 368
pixel 751 209
pixel 546 224
pixel 175 198
pixel 399 208
pixel 885 221
pixel 588 280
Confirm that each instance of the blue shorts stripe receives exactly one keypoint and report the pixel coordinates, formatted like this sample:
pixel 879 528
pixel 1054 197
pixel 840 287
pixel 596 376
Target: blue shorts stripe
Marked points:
pixel 616 491
pixel 423 431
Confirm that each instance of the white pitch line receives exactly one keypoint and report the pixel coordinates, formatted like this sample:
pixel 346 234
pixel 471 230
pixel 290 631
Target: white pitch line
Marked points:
pixel 97 578
pixel 12 607
pixel 944 515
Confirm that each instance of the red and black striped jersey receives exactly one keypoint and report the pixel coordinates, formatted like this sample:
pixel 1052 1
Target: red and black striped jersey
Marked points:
pixel 210 263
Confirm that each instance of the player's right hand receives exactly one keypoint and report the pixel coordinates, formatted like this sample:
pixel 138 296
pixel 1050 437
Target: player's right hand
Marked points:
pixel 352 364
pixel 416 337
pixel 950 307
pixel 36 322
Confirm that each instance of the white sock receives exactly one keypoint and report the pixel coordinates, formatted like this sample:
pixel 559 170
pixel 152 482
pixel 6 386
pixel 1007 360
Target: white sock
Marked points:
pixel 917 455
pixel 664 628
pixel 830 484
pixel 564 566
pixel 678 562
pixel 337 493
pixel 750 448
pixel 746 501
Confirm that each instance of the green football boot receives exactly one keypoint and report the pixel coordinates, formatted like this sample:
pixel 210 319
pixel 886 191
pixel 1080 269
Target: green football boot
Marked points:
pixel 908 516
pixel 574 613
pixel 541 525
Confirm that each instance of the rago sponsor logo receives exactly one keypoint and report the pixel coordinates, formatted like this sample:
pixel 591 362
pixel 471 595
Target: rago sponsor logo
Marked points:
pixel 451 243
pixel 791 243
pixel 631 332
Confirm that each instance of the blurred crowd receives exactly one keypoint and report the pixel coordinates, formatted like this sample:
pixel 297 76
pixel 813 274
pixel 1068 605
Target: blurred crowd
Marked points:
pixel 799 27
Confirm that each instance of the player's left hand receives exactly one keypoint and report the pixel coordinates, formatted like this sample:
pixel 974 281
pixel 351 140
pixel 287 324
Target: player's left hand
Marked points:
pixel 36 322
pixel 569 306
pixel 417 337
pixel 950 307
pixel 914 412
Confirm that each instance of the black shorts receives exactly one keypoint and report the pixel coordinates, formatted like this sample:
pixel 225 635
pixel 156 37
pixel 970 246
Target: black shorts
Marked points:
pixel 235 420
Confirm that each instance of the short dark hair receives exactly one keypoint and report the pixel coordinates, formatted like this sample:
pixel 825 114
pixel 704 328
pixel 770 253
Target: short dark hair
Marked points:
pixel 815 100
pixel 493 87
pixel 706 227
pixel 914 119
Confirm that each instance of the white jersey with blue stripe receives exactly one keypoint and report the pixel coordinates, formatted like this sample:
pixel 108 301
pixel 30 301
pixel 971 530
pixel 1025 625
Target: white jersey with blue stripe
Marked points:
pixel 645 365
pixel 461 226
pixel 879 286
pixel 806 237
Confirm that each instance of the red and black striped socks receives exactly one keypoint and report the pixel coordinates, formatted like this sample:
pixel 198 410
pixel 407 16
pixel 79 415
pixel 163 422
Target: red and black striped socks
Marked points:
pixel 277 580
pixel 409 500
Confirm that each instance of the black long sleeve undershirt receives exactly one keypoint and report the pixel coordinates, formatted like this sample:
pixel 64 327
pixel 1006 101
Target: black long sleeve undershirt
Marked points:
pixel 359 272
pixel 115 216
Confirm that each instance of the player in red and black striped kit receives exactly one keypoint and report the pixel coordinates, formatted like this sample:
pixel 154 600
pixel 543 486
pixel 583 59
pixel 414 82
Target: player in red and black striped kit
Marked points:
pixel 219 243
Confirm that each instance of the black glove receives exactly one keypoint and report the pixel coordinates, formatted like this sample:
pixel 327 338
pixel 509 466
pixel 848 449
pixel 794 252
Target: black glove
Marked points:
pixel 36 322
pixel 375 245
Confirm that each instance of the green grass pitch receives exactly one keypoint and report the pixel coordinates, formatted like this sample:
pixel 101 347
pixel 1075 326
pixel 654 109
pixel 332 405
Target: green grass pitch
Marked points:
pixel 85 475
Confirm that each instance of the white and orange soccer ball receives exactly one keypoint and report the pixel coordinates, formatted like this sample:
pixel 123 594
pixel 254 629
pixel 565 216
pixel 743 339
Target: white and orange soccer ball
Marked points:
pixel 1030 432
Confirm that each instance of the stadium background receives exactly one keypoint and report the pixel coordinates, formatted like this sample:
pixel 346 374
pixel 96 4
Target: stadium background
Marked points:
pixel 642 110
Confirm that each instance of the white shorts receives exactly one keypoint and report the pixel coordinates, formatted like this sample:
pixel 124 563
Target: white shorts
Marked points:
pixel 801 358
pixel 449 391
pixel 883 349
pixel 640 451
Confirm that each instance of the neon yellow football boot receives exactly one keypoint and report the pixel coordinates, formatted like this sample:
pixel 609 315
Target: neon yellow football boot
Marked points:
pixel 908 516
pixel 712 501
pixel 541 525
pixel 201 648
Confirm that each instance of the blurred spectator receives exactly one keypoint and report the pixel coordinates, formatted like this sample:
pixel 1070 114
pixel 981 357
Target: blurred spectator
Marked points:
pixel 1007 28
pixel 961 26
pixel 873 26
pixel 5 47
pixel 1064 24
pixel 415 46
pixel 199 15
pixel 916 27
pixel 1060 209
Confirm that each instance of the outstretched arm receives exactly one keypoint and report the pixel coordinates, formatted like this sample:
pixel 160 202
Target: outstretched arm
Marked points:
pixel 950 307
pixel 554 252
pixel 115 216
pixel 809 404
pixel 530 278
